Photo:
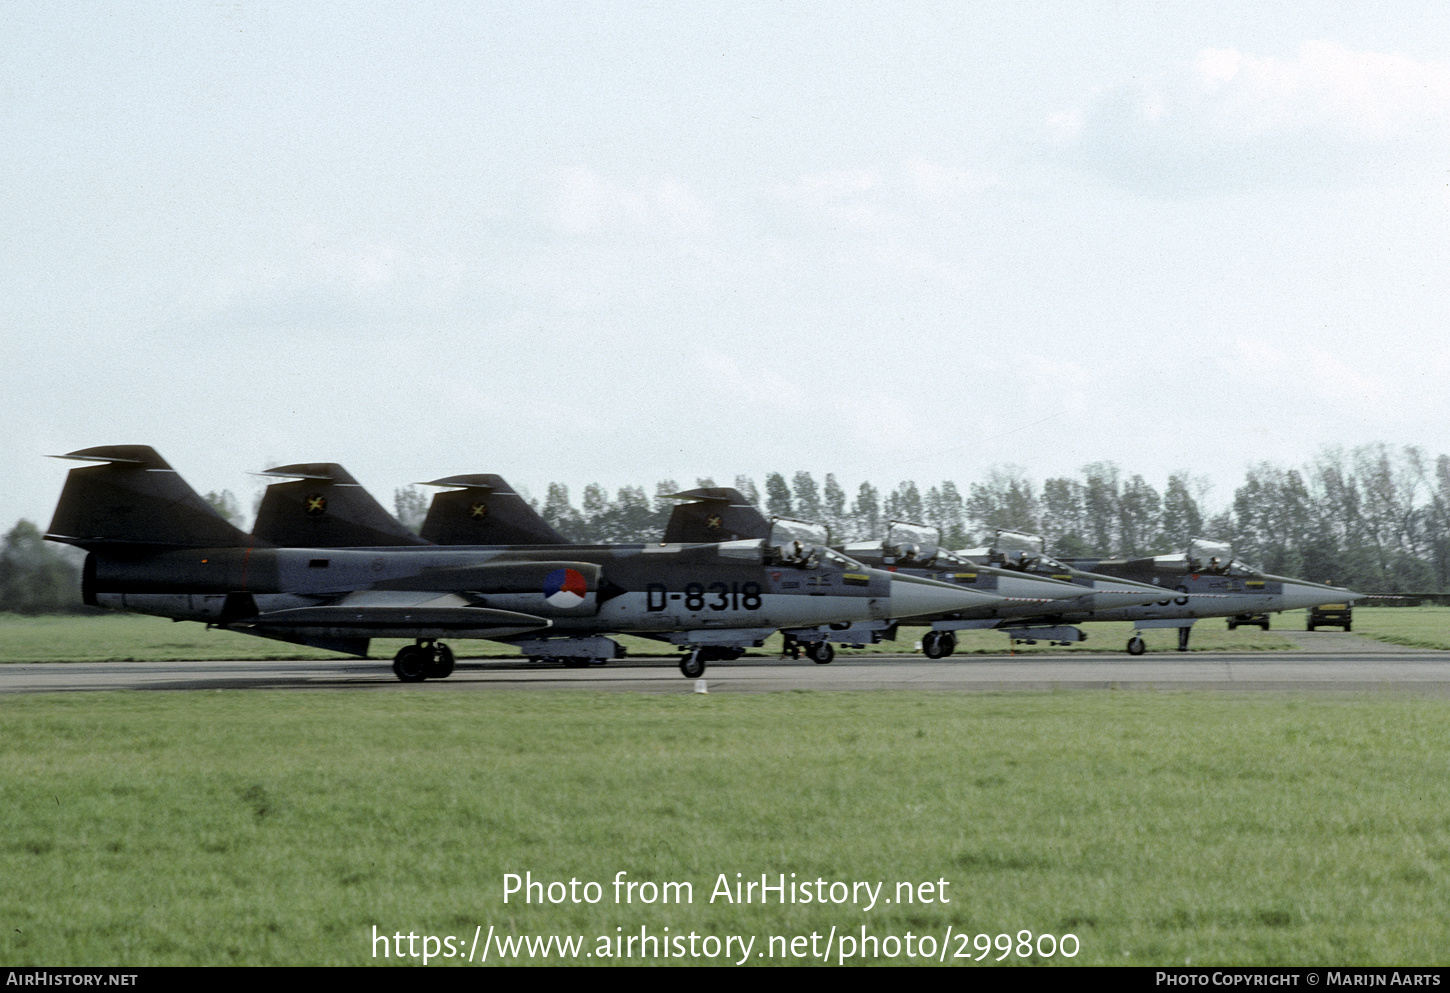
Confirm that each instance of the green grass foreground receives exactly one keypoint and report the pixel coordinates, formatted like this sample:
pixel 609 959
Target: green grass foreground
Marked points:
pixel 1418 627
pixel 279 827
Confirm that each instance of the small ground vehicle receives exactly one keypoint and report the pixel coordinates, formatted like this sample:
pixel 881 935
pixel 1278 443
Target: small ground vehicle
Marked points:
pixel 1329 615
pixel 1248 621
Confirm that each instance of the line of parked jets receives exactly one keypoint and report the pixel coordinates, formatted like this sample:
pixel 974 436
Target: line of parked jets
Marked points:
pixel 325 565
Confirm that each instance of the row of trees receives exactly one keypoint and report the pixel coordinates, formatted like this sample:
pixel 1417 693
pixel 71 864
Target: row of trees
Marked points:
pixel 635 516
pixel 1374 518
pixel 1101 512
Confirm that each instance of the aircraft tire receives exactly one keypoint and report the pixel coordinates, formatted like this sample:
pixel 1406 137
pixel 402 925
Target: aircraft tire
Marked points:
pixel 411 664
pixel 1346 628
pixel 692 666
pixel 948 643
pixel 1136 646
pixel 573 662
pixel 1309 627
pixel 441 665
pixel 822 652
pixel 931 645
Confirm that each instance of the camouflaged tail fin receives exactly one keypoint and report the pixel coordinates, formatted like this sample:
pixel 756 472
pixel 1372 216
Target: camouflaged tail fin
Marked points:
pixel 133 497
pixel 715 514
pixel 322 506
pixel 482 509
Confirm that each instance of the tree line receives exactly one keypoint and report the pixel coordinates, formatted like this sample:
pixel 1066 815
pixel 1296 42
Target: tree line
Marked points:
pixel 1375 518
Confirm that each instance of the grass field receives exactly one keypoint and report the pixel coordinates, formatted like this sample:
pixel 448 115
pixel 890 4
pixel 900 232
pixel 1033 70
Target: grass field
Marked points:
pixel 262 827
pixel 1418 627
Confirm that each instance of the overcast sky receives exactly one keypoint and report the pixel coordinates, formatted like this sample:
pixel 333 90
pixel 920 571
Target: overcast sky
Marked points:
pixel 625 242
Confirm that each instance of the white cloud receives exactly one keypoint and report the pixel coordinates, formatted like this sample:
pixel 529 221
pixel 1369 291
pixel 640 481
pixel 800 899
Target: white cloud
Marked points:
pixel 840 196
pixel 1315 371
pixel 586 203
pixel 1232 117
pixel 1367 95
pixel 317 279
pixel 932 181
pixel 876 198
pixel 824 188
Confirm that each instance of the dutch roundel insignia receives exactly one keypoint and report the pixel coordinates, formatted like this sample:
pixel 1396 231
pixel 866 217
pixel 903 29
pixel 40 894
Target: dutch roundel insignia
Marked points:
pixel 315 504
pixel 565 588
pixel 478 511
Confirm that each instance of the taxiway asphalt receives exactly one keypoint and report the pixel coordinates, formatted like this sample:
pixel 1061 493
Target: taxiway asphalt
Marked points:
pixel 1327 663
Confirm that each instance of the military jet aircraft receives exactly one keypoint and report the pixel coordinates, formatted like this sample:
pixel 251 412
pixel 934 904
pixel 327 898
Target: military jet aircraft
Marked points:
pixel 320 503
pixel 722 513
pixel 1040 601
pixel 154 546
pixel 1203 581
pixel 713 511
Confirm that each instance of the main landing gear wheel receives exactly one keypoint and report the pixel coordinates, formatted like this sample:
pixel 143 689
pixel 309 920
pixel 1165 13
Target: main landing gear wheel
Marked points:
pixel 574 662
pixel 692 666
pixel 411 663
pixel 938 644
pixel 440 665
pixel 822 651
pixel 1136 646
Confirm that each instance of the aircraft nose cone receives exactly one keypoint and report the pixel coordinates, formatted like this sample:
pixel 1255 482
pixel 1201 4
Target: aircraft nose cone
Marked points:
pixel 913 597
pixel 1313 595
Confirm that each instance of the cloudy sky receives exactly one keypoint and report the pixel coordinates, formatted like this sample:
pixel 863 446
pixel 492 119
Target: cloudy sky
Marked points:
pixel 621 242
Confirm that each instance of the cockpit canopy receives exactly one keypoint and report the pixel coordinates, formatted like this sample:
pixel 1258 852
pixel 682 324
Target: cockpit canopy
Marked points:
pixel 800 555
pixel 1025 561
pixel 1019 541
pixel 1022 552
pixel 1207 556
pixel 907 554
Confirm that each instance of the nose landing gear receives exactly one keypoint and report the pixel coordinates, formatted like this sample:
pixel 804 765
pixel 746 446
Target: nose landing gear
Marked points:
pixel 692 664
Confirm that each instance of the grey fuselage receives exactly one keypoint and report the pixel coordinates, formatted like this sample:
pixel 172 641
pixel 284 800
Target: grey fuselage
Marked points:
pixel 1232 590
pixel 1215 591
pixel 1028 595
pixel 642 588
